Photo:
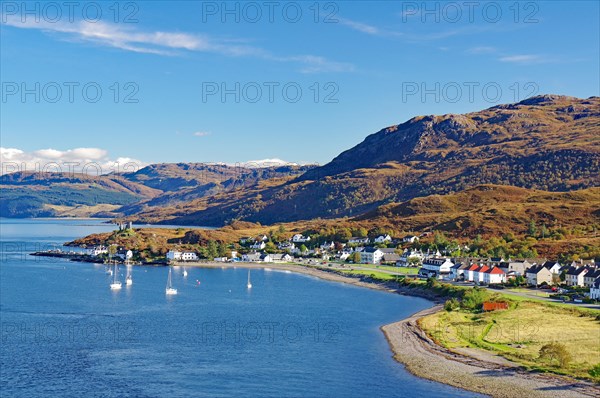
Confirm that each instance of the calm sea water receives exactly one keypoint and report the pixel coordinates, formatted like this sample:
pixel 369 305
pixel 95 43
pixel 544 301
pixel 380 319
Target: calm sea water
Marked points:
pixel 64 333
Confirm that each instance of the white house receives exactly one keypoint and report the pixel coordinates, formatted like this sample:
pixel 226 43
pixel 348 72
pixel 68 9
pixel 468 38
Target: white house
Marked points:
pixel 286 246
pixel 595 290
pixel 479 274
pixel 258 245
pixel 383 239
pixel 174 255
pixel 457 271
pixel 251 257
pixel 125 255
pixel 327 246
pixel 410 239
pixel 221 259
pixel 494 275
pixel 574 276
pixel 591 276
pixel 517 266
pixel 437 266
pixel 552 266
pixel 356 240
pixel 408 256
pixel 538 274
pixel 299 238
pixel 371 255
pixel 281 258
pixel 266 258
pixel 98 250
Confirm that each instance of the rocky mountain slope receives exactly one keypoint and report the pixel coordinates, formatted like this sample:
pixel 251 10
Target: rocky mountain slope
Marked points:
pixel 548 142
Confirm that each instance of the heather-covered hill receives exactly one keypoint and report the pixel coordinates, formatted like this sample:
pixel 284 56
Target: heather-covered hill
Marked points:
pixel 548 142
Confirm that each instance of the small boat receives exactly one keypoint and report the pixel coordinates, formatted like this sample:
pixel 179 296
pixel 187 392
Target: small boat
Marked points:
pixel 129 278
pixel 170 290
pixel 184 272
pixel 249 285
pixel 116 284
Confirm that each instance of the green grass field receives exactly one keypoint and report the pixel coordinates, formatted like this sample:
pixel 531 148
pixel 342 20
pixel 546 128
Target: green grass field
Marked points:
pixel 518 334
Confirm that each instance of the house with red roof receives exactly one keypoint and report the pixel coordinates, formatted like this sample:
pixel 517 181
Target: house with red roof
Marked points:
pixel 478 274
pixel 469 272
pixel 494 275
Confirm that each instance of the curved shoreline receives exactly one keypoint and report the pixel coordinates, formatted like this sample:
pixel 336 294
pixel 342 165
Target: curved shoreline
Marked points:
pixel 485 373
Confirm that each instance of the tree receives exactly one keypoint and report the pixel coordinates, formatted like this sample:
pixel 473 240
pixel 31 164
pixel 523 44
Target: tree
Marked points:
pixel 112 250
pixel 212 250
pixel 355 257
pixel 556 352
pixel 270 247
pixel 544 231
pixel 362 233
pixel 223 250
pixel 532 229
pixel 303 249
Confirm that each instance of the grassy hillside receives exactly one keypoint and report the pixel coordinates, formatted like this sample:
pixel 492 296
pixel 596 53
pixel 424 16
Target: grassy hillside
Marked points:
pixel 492 210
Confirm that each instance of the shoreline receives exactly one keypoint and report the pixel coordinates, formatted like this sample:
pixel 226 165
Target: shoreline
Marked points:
pixel 483 373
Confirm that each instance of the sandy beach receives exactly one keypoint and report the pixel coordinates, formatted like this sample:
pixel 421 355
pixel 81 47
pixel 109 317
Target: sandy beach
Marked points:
pixel 472 370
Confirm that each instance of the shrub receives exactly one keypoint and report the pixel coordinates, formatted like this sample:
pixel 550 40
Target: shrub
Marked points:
pixel 473 299
pixel 452 304
pixel 595 371
pixel 556 352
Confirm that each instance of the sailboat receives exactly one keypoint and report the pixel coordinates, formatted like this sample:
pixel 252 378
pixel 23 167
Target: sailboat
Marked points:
pixel 184 272
pixel 129 279
pixel 116 284
pixel 170 290
pixel 249 285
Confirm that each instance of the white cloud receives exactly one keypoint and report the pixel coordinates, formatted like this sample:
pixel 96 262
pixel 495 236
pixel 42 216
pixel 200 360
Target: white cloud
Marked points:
pixel 524 59
pixel 201 133
pixel 167 43
pixel 368 29
pixel 87 160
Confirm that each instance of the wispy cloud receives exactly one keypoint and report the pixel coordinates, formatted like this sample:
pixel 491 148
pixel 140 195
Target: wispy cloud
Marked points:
pixel 87 160
pixel 201 133
pixel 525 59
pixel 369 29
pixel 169 43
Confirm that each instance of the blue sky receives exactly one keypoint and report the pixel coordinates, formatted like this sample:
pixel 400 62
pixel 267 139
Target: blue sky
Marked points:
pixel 360 66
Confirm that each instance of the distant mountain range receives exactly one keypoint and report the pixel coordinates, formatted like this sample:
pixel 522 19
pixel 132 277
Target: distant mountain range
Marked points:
pixel 549 143
pixel 28 194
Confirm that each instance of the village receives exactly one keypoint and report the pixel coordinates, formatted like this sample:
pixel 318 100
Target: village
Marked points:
pixel 576 281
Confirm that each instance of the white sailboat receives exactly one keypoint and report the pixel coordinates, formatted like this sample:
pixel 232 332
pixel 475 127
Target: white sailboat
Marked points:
pixel 170 290
pixel 184 272
pixel 249 285
pixel 116 284
pixel 129 278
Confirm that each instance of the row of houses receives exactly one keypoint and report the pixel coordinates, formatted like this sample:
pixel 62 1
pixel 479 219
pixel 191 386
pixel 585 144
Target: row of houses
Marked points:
pixel 255 243
pixel 495 271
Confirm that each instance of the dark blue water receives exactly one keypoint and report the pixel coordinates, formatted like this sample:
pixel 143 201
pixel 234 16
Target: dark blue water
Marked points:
pixel 64 333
